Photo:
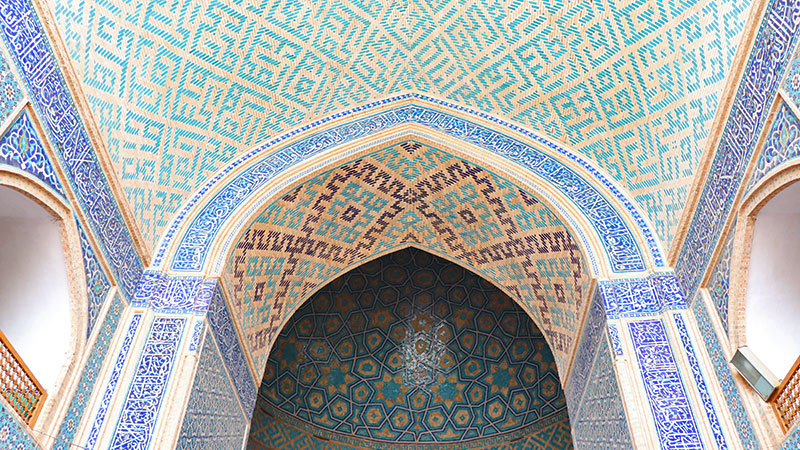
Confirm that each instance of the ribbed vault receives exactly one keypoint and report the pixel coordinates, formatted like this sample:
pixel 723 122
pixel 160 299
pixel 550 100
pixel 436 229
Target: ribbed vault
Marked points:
pixel 407 194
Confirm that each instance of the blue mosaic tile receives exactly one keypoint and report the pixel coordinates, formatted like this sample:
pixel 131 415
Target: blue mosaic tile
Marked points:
pixel 97 284
pixel 674 420
pixel 617 239
pixel 113 381
pixel 10 93
pixel 51 98
pixel 89 375
pixel 213 417
pixel 21 147
pixel 600 421
pixel 134 429
pixel 590 335
pixel 792 441
pixel 702 389
pixel 12 433
pixel 782 144
pixel 791 84
pixel 231 350
pixel 769 58
pixel 719 284
pixel 639 297
pixel 412 348
pixel 724 377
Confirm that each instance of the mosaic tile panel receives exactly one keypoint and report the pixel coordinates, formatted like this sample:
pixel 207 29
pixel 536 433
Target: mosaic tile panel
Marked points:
pixel 642 296
pixel 140 409
pixel 720 282
pixel 791 84
pixel 213 417
pixel 632 84
pixel 89 375
pixel 614 234
pixel 268 431
pixel 51 98
pixel 674 421
pixel 21 147
pixel 591 333
pixel 599 421
pixel 723 372
pixel 702 389
pixel 613 336
pixel 412 348
pixel 10 93
pixel 792 441
pixel 167 294
pixel 782 144
pixel 769 57
pixel 97 284
pixel 231 350
pixel 113 381
pixel 405 194
pixel 12 434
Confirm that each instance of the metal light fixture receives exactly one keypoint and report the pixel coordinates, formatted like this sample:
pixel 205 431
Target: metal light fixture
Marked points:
pixel 755 372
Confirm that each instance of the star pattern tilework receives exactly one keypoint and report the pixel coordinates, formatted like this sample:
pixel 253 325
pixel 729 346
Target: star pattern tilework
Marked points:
pixel 405 194
pixel 412 348
pixel 10 93
pixel 179 88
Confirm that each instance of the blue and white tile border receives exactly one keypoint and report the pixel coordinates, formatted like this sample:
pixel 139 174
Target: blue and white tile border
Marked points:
pixel 196 225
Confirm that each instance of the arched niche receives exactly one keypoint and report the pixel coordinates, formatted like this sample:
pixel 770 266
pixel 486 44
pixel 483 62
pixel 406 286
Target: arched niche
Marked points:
pixel 405 194
pixel 407 351
pixel 43 295
pixel 765 305
pixel 612 232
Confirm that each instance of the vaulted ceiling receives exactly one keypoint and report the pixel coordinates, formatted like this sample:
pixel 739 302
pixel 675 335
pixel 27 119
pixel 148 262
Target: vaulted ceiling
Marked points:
pixel 180 87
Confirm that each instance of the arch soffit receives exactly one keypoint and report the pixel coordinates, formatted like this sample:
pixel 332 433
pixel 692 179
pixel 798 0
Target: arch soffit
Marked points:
pixel 771 185
pixel 223 203
pixel 562 363
pixel 523 286
pixel 42 195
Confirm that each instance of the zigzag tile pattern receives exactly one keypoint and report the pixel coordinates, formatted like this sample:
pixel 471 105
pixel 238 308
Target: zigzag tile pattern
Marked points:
pixel 178 88
pixel 406 194
pixel 411 348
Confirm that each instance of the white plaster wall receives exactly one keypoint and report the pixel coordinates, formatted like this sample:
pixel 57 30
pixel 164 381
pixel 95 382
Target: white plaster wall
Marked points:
pixel 34 290
pixel 773 286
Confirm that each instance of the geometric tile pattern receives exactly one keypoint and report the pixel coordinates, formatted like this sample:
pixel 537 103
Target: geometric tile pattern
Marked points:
pixel 782 144
pixel 97 284
pixel 10 93
pixel 724 377
pixel 697 373
pixel 719 284
pixel 21 147
pixel 22 32
pixel 672 413
pixel 252 170
pixel 590 336
pixel 769 56
pixel 792 441
pixel 599 421
pixel 213 417
pixel 91 371
pixel 267 432
pixel 412 348
pixel 407 193
pixel 791 84
pixel 230 348
pixel 113 380
pixel 12 434
pixel 140 410
pixel 178 91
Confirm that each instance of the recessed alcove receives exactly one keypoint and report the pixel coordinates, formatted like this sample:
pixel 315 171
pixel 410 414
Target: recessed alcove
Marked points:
pixel 34 286
pixel 410 351
pixel 772 304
